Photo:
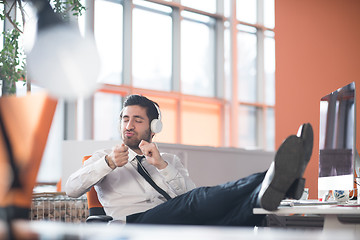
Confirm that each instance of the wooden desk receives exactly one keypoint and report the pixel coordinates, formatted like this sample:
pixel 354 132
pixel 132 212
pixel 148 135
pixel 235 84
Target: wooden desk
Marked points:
pixel 344 217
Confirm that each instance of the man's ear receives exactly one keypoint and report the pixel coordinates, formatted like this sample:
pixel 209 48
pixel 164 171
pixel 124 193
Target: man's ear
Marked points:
pixel 119 125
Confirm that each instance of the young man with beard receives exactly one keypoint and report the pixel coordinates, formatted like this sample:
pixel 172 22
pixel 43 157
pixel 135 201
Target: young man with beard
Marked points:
pixel 127 196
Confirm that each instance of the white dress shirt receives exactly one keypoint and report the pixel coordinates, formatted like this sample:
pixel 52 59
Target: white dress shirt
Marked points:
pixel 123 191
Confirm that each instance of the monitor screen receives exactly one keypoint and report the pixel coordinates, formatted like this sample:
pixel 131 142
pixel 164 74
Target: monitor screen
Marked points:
pixel 337 139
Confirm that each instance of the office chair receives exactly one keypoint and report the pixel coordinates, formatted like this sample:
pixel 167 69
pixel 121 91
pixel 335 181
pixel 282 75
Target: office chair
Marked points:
pixel 96 210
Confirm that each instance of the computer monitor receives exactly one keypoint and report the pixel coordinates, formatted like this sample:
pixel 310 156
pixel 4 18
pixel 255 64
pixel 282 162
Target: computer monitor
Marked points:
pixel 337 139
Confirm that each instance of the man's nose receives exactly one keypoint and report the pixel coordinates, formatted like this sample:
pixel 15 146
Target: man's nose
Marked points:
pixel 130 125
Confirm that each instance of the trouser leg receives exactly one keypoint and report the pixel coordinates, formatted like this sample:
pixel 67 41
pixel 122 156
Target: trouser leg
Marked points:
pixel 227 204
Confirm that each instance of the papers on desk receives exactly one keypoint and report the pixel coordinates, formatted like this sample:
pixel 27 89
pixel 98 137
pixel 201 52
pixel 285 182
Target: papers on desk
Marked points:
pixel 349 205
pixel 291 203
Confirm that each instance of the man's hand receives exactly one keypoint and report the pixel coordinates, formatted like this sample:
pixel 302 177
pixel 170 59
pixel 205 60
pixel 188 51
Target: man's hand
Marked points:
pixel 152 154
pixel 118 157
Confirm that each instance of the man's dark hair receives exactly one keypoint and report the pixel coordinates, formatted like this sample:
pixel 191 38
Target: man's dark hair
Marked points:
pixel 144 102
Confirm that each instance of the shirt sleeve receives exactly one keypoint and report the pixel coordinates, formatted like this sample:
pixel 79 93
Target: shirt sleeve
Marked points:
pixel 93 171
pixel 176 175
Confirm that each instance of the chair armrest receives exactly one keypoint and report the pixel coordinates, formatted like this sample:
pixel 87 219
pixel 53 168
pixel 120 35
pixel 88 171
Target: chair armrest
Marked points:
pixel 99 218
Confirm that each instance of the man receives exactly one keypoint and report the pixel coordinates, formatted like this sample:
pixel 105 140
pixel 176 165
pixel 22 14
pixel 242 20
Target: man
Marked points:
pixel 127 196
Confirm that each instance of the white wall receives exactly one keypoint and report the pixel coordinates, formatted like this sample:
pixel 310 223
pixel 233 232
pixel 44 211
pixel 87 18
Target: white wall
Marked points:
pixel 207 165
pixel 212 166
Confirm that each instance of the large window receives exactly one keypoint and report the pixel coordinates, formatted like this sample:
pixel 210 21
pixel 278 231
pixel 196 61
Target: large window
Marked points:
pixel 151 47
pixel 109 15
pixel 197 55
pixel 209 64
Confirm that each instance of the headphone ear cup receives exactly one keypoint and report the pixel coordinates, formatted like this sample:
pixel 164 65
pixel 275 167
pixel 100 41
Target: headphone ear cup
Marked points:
pixel 156 126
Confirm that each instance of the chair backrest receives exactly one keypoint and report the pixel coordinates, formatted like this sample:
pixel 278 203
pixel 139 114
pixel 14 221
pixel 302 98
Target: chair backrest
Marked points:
pixel 95 207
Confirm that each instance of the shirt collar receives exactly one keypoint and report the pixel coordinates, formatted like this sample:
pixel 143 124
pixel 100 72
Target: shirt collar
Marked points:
pixel 132 155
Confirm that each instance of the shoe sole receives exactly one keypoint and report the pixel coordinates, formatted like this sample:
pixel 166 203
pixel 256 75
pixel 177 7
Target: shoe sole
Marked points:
pixel 289 161
pixel 307 135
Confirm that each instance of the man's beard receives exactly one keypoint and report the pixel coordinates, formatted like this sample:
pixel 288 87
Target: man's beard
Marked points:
pixel 134 141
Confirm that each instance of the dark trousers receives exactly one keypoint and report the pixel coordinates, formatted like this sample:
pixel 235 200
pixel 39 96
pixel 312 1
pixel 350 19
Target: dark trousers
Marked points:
pixel 229 204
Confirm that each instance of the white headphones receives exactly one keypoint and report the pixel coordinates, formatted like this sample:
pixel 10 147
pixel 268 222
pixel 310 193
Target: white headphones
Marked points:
pixel 156 124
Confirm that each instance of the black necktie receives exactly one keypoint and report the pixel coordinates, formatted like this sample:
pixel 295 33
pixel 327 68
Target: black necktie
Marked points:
pixel 147 177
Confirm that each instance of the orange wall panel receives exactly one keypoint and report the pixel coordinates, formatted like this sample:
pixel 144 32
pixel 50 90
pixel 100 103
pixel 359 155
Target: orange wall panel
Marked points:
pixel 317 51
